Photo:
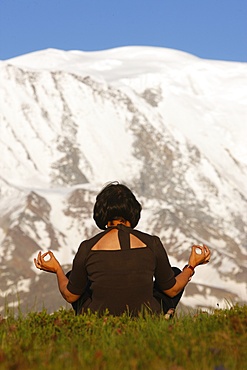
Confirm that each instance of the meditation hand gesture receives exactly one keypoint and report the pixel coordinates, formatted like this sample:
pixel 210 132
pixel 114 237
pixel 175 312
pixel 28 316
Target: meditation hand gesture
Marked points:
pixel 199 255
pixel 50 265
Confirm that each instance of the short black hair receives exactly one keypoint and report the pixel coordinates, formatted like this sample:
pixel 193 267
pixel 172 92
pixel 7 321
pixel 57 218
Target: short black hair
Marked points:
pixel 116 201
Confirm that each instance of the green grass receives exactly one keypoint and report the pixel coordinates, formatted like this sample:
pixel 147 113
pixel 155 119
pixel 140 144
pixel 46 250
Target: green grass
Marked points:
pixel 61 340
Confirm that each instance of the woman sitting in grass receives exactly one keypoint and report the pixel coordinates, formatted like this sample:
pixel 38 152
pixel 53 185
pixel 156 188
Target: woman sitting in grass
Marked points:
pixel 122 269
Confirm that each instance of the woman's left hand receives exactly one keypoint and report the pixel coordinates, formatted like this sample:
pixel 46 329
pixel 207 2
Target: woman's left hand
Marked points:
pixel 50 265
pixel 199 258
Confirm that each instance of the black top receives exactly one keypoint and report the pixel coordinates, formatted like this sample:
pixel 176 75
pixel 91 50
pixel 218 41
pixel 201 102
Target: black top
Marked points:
pixel 121 279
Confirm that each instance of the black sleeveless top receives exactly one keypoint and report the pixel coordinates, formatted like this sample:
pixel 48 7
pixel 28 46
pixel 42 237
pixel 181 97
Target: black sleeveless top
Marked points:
pixel 121 280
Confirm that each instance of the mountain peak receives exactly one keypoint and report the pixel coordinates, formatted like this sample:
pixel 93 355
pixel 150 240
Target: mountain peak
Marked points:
pixel 168 124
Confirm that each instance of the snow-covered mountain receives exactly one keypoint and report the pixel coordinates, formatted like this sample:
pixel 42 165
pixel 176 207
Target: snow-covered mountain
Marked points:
pixel 171 126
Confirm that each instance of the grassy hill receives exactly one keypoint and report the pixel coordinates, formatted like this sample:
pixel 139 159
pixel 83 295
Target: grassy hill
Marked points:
pixel 195 341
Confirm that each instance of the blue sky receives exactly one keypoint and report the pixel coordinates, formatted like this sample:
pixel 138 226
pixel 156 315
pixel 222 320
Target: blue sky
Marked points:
pixel 212 29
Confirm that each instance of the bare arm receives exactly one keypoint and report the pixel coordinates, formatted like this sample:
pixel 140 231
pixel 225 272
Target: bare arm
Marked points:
pixel 52 265
pixel 184 277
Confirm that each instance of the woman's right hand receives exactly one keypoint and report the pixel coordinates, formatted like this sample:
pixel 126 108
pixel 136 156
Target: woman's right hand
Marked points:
pixel 197 258
pixel 48 265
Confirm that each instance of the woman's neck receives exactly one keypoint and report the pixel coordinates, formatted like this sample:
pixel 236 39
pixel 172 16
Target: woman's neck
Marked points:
pixel 117 222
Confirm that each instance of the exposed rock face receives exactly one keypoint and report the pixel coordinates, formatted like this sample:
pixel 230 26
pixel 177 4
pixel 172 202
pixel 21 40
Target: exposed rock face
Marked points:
pixel 65 131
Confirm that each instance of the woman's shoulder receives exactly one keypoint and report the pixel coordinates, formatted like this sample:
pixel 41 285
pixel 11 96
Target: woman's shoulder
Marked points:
pixel 145 236
pixel 88 243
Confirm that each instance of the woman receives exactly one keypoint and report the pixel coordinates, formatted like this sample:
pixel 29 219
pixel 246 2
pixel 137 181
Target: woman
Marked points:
pixel 122 269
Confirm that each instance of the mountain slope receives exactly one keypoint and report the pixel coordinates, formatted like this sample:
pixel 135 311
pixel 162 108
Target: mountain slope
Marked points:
pixel 169 125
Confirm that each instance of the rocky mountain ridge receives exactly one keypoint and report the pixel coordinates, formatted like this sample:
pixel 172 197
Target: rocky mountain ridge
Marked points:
pixel 161 121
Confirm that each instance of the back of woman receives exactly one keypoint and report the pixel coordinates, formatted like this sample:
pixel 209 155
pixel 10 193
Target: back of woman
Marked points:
pixel 120 264
pixel 122 269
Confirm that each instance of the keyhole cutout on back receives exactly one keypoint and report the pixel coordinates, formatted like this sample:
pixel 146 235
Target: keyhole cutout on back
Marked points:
pixel 110 241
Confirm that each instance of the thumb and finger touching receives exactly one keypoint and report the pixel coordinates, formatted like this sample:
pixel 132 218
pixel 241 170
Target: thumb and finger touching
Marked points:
pixel 200 255
pixel 42 263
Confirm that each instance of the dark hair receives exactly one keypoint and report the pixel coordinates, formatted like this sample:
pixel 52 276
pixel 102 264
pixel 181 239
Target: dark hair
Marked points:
pixel 116 201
